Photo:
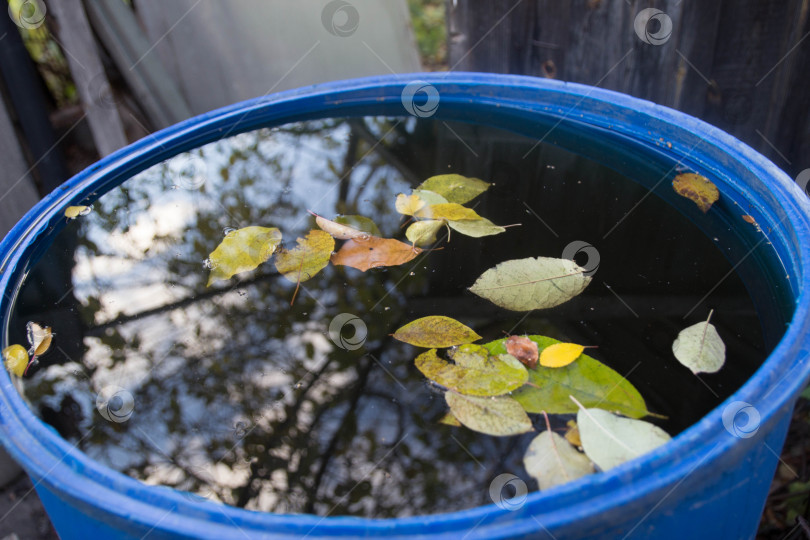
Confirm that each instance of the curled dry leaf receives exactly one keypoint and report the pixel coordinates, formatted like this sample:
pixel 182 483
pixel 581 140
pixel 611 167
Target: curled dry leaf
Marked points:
pixel 338 230
pixel 590 381
pixel 492 377
pixel 16 359
pixel 307 258
pixel 700 348
pixel 552 461
pixel 72 212
pixel 361 223
pixel 436 331
pixel 374 252
pixel 39 337
pixel 532 283
pixel 523 349
pixel 610 440
pixel 242 250
pixel 455 187
pixel 500 416
pixel 696 188
pixel 560 354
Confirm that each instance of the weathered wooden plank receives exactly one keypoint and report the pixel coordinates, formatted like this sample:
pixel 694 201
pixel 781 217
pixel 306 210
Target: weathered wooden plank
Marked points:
pixel 17 191
pixel 151 83
pixel 88 75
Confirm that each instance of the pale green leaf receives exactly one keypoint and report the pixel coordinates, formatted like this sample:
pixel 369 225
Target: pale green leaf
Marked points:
pixel 308 258
pixel 611 440
pixel 455 187
pixel 700 348
pixel 552 461
pixel 590 381
pixel 339 230
pixel 436 331
pixel 429 197
pixel 499 416
pixel 532 283
pixel 493 377
pixel 422 233
pixel 242 250
pixel 476 228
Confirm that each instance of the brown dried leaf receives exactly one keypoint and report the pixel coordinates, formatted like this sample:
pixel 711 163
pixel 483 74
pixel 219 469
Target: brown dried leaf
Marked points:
pixel 696 188
pixel 374 252
pixel 523 349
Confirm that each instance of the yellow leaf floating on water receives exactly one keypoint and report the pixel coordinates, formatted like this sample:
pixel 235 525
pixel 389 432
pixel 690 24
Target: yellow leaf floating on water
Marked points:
pixel 242 250
pixel 448 211
pixel 39 337
pixel 16 359
pixel 306 259
pixel 374 252
pixel 408 204
pixel 72 212
pixel 455 187
pixel 435 331
pixel 572 433
pixel 422 233
pixel 500 416
pixel 491 377
pixel 696 188
pixel 449 420
pixel 560 354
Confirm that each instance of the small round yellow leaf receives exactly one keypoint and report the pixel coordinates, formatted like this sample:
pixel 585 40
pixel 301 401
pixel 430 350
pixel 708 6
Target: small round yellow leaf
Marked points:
pixel 560 354
pixel 72 212
pixel 16 359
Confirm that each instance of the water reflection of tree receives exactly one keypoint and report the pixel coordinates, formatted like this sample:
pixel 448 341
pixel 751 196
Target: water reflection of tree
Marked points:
pixel 242 397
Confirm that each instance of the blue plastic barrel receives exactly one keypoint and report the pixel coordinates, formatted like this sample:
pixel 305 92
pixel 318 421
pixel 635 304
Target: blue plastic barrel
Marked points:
pixel 707 483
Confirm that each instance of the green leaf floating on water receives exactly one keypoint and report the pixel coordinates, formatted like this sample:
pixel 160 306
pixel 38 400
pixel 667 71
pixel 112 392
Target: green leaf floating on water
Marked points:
pixel 242 250
pixel 436 331
pixel 591 382
pixel 552 461
pixel 532 283
pixel 422 233
pixel 492 376
pixel 700 348
pixel 476 228
pixel 611 440
pixel 455 187
pixel 500 416
pixel 429 197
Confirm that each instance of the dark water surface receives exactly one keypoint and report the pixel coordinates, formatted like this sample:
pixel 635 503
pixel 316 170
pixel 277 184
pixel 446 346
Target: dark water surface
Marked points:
pixel 238 397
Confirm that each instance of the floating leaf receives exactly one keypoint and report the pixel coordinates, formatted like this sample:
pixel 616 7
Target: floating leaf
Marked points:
pixel 572 433
pixel 436 331
pixel 361 223
pixel 470 356
pixel 449 420
pixel 696 188
pixel 408 205
pixel 499 416
pixel 700 348
pixel 16 359
pixel 72 212
pixel 39 337
pixel 560 354
pixel 532 283
pixel 455 187
pixel 374 252
pixel 590 381
pixel 422 233
pixel 307 258
pixel 552 461
pixel 494 377
pixel 611 440
pixel 476 228
pixel 242 250
pixel 523 349
pixel 429 197
pixel 338 230
pixel 448 211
